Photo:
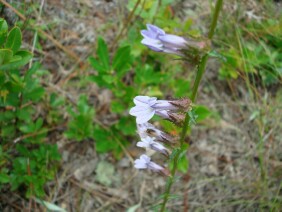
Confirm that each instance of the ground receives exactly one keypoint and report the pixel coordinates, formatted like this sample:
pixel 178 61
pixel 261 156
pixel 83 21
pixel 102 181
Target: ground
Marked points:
pixel 225 172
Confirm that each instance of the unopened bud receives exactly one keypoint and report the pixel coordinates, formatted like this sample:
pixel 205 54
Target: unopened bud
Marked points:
pixel 176 118
pixel 183 104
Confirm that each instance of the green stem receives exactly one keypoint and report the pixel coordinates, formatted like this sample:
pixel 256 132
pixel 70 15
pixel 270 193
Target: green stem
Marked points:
pixel 200 73
pixel 217 9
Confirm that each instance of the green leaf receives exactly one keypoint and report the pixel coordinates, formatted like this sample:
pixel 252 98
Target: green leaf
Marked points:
pixel 4 178
pixel 25 58
pixel 27 128
pixel 24 113
pixel 182 87
pixel 117 106
pixel 193 117
pixel 173 154
pixel 202 112
pixel 14 39
pixel 5 56
pixel 126 126
pixel 121 59
pixel 34 95
pixel 3 31
pixel 108 79
pixel 103 141
pixel 103 54
pixel 38 124
pixel 17 80
pixel 215 54
pixel 96 65
pixel 31 71
pixel 183 164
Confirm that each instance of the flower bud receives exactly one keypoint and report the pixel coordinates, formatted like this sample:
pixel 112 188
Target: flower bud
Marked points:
pixel 176 118
pixel 183 104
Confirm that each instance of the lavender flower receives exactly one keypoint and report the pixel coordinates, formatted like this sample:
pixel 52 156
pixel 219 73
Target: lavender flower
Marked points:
pixel 157 40
pixel 145 163
pixel 146 107
pixel 149 142
pixel 147 129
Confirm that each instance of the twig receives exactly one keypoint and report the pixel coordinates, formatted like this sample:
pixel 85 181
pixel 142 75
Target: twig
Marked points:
pixel 36 133
pixel 127 21
pixel 36 32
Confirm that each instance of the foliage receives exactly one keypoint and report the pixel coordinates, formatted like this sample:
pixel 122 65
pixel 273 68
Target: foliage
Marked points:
pixel 80 126
pixel 25 159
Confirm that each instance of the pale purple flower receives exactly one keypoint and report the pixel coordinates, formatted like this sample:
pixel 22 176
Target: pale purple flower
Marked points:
pixel 157 40
pixel 145 163
pixel 146 107
pixel 147 129
pixel 149 142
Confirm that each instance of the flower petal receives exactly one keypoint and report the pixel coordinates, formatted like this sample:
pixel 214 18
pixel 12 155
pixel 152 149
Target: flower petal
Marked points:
pixel 148 34
pixel 139 164
pixel 145 158
pixel 144 100
pixel 142 113
pixel 154 167
pixel 164 105
pixel 140 110
pixel 155 29
pixel 143 144
pixel 155 45
pixel 162 113
pixel 145 117
pixel 173 40
pixel 158 146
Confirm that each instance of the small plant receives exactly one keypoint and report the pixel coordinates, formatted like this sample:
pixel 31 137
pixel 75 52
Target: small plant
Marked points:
pixel 80 126
pixel 177 111
pixel 258 56
pixel 25 160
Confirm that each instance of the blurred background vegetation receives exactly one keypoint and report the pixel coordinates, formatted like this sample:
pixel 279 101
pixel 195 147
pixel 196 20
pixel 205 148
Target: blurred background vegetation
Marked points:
pixel 68 74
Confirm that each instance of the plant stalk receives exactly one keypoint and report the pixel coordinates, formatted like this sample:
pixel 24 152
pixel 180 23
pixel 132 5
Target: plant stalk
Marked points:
pixel 200 72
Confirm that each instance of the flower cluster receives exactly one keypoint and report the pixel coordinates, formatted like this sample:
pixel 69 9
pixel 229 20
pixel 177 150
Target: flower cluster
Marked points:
pixel 151 137
pixel 172 110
